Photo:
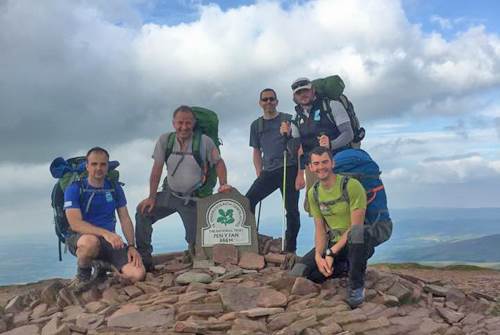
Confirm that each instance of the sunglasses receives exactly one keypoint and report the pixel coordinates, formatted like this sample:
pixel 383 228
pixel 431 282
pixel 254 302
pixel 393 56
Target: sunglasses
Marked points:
pixel 300 84
pixel 270 99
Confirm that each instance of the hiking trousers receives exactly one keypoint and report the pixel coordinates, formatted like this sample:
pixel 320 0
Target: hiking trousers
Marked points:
pixel 353 259
pixel 165 205
pixel 267 183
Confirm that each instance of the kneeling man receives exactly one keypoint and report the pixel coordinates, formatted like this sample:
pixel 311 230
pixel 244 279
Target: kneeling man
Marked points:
pixel 338 205
pixel 90 206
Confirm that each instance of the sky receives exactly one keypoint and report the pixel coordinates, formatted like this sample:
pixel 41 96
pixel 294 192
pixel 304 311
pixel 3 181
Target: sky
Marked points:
pixel 424 77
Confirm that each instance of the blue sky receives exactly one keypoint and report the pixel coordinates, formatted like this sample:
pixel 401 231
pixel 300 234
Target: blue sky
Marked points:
pixel 424 77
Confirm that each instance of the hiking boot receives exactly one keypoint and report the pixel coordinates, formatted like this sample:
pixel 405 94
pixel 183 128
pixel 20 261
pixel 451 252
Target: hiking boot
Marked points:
pixel 79 285
pixel 355 297
pixel 149 267
pixel 100 271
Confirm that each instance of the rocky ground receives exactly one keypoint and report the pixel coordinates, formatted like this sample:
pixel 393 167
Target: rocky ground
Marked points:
pixel 251 294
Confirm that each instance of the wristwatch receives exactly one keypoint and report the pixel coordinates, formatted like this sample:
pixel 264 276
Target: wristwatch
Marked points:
pixel 329 252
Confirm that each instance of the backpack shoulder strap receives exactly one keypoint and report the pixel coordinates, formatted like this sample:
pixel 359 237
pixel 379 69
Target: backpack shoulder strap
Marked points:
pixel 316 192
pixel 260 125
pixel 195 149
pixel 326 109
pixel 170 145
pixel 345 193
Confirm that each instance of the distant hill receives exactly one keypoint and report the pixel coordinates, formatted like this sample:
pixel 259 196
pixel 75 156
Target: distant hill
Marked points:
pixel 482 249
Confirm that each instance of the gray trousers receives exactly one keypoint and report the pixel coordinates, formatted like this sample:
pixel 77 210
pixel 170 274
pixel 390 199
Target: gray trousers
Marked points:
pixel 165 205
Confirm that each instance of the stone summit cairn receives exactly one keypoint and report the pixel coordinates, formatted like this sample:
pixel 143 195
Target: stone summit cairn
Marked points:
pixel 248 293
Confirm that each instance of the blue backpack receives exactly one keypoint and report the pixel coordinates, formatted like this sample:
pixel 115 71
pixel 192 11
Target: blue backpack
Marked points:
pixel 357 163
pixel 66 172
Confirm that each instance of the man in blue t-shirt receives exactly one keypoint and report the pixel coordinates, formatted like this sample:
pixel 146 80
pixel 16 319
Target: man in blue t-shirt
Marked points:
pixel 90 206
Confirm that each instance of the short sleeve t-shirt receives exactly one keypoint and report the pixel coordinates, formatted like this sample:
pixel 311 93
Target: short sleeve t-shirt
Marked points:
pixel 98 205
pixel 270 142
pixel 188 174
pixel 337 216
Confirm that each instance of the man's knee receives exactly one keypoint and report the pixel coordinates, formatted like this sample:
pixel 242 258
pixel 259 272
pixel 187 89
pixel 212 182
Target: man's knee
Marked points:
pixel 357 234
pixel 133 273
pixel 88 246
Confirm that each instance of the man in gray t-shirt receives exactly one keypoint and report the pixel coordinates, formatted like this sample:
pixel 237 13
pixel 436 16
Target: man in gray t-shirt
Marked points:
pixel 184 177
pixel 269 145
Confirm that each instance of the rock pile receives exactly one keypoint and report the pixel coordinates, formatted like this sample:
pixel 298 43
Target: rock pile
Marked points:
pixel 249 294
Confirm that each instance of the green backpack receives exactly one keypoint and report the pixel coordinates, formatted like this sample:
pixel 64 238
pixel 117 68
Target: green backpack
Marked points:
pixel 207 123
pixel 330 87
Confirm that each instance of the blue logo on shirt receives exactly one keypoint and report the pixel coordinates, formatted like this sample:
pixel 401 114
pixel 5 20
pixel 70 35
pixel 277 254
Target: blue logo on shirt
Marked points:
pixel 316 115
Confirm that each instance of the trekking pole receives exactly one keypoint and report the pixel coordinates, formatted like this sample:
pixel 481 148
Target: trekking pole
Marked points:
pixel 284 203
pixel 258 215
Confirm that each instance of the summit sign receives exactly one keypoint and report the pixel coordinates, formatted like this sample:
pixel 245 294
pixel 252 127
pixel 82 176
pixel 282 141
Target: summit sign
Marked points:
pixel 225 218
pixel 226 224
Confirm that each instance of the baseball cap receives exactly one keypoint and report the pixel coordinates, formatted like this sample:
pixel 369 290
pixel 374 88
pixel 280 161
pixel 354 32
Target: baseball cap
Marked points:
pixel 300 84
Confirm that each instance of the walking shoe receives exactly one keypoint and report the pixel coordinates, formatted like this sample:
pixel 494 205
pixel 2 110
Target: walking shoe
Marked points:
pixel 100 271
pixel 79 285
pixel 355 297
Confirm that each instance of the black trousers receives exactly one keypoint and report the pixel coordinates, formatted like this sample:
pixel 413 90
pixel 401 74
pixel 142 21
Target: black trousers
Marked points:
pixel 353 259
pixel 267 183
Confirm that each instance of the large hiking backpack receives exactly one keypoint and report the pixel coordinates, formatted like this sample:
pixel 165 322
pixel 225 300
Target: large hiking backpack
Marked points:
pixel 66 172
pixel 356 163
pixel 207 123
pixel 332 88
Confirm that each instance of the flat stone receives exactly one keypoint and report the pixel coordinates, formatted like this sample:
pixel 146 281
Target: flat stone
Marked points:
pixel 456 296
pixel 201 326
pixel 303 286
pixel 21 318
pixel 95 306
pixel 132 291
pixel 193 277
pixel 429 326
pixel 239 298
pixel 332 328
pixel 299 325
pixel 202 263
pixel 274 258
pixel 282 320
pixel 175 267
pixel 402 293
pixel 251 261
pixel 454 331
pixel 14 305
pixel 204 310
pixel 225 254
pixel 49 293
pixel 3 325
pixel 89 321
pixel 218 270
pixel 271 298
pixel 156 318
pixel 245 326
pixel 343 318
pixel 449 315
pixel 124 310
pixel 54 327
pixel 24 330
pixel 39 310
pixel 390 300
pixel 72 312
pixel 361 327
pixel 436 290
pixel 261 311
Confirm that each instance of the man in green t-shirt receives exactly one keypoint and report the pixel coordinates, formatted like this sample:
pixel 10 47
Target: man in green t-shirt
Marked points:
pixel 338 206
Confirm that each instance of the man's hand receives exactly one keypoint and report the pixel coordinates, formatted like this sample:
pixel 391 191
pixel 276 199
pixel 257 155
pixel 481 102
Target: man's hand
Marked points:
pixel 323 266
pixel 225 188
pixel 134 257
pixel 146 205
pixel 324 141
pixel 114 239
pixel 285 128
pixel 300 182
